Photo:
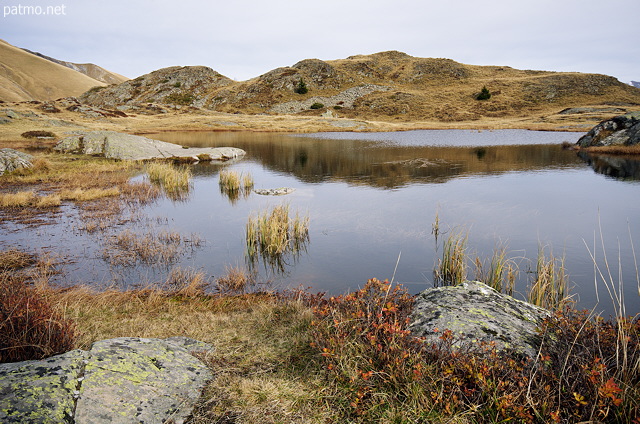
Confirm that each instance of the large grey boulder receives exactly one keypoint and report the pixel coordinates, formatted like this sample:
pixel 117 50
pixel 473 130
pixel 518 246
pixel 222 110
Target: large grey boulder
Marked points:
pixel 115 145
pixel 123 380
pixel 10 160
pixel 619 130
pixel 475 313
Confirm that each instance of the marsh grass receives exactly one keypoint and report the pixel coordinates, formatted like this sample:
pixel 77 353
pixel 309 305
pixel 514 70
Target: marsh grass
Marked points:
pixel 500 271
pixel 451 269
pixel 128 248
pixel 235 185
pixel 174 180
pixel 550 286
pixel 29 199
pixel 274 233
pixel 237 280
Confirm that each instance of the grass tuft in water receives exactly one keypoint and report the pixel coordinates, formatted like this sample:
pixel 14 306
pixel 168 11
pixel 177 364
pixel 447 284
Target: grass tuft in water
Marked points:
pixel 452 268
pixel 175 181
pixel 273 233
pixel 235 184
pixel 550 287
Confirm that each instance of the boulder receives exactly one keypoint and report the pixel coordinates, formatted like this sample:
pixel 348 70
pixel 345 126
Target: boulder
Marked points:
pixel 10 160
pixel 121 380
pixel 475 313
pixel 274 191
pixel 115 145
pixel 619 130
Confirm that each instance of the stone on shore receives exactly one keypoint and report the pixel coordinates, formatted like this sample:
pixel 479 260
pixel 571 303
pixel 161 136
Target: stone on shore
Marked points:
pixel 476 313
pixel 11 159
pixel 115 145
pixel 121 380
pixel 619 130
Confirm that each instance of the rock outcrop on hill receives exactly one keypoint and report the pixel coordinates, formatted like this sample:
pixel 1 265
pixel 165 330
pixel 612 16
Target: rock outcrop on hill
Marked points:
pixel 115 145
pixel 475 313
pixel 619 130
pixel 117 381
pixel 11 159
pixel 387 85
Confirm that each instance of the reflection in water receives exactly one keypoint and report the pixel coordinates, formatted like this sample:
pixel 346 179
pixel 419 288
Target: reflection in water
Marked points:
pixel 612 166
pixel 382 164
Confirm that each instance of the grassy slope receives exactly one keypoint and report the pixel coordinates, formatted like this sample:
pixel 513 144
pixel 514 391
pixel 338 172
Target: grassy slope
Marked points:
pixel 24 76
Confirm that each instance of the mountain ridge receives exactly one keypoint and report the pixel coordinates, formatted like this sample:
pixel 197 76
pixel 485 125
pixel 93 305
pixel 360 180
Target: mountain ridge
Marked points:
pixel 405 88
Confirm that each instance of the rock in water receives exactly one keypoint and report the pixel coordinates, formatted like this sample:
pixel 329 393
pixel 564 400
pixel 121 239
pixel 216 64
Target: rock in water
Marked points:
pixel 123 380
pixel 115 145
pixel 10 160
pixel 619 130
pixel 476 313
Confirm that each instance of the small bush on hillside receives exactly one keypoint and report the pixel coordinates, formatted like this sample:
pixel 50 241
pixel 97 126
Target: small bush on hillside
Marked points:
pixel 183 99
pixel 95 89
pixel 484 94
pixel 301 88
pixel 29 326
pixel 38 134
pixel 316 105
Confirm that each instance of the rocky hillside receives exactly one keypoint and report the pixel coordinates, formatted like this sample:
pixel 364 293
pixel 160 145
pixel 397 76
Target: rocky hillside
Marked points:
pixel 89 69
pixel 387 86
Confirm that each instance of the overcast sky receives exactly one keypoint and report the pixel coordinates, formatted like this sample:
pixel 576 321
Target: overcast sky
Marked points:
pixel 243 39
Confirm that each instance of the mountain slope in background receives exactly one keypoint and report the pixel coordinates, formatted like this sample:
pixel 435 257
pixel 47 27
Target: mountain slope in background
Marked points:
pixel 89 69
pixel 388 86
pixel 24 77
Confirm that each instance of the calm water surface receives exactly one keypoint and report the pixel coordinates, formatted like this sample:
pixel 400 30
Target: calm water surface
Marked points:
pixel 372 199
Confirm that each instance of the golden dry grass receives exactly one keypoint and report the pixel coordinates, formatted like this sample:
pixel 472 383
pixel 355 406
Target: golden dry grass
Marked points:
pixel 34 78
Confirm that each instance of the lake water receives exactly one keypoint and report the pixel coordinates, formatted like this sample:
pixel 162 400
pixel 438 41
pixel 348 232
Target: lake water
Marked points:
pixel 372 199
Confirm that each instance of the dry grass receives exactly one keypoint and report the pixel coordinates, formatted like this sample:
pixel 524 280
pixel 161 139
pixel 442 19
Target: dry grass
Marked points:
pixel 86 195
pixel 550 286
pixel 28 199
pixel 235 185
pixel 451 270
pixel 175 181
pixel 14 259
pixel 614 150
pixel 237 280
pixel 273 233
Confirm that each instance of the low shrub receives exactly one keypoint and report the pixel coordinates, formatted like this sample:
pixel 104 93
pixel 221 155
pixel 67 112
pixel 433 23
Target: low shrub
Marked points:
pixel 29 326
pixel 316 105
pixel 38 134
pixel 301 88
pixel 484 94
pixel 587 369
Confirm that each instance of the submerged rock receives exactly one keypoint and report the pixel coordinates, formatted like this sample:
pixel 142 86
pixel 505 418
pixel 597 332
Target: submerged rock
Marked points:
pixel 121 380
pixel 274 191
pixel 476 313
pixel 10 160
pixel 619 130
pixel 115 145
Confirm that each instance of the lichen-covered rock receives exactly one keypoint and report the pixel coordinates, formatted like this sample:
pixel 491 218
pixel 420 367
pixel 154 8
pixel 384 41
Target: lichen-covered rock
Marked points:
pixel 274 191
pixel 476 313
pixel 10 160
pixel 619 130
pixel 138 380
pixel 123 380
pixel 115 145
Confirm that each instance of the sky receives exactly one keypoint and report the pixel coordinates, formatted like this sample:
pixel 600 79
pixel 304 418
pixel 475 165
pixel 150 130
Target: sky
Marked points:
pixel 243 39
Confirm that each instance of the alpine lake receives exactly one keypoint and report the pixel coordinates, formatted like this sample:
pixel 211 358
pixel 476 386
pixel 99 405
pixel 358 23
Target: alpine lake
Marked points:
pixel 381 204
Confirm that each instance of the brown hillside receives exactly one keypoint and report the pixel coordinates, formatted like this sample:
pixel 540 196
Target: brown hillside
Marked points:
pixel 24 76
pixel 89 69
pixel 382 86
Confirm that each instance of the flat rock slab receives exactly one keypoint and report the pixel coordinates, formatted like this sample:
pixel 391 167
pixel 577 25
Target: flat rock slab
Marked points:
pixel 282 191
pixel 115 145
pixel 11 159
pixel 123 380
pixel 476 313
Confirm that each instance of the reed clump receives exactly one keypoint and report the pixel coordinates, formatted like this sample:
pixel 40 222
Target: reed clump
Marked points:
pixel 174 180
pixel 550 286
pixel 274 232
pixel 451 269
pixel 235 184
pixel 237 280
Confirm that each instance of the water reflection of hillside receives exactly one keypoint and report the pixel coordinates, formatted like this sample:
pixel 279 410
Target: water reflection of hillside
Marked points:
pixel 377 164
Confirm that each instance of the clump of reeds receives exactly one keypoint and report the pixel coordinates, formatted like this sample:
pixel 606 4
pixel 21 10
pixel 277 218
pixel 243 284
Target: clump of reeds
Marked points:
pixel 273 233
pixel 500 273
pixel 451 270
pixel 186 282
pixel 236 281
pixel 13 259
pixel 234 184
pixel 175 181
pixel 85 195
pixel 550 286
pixel 29 199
